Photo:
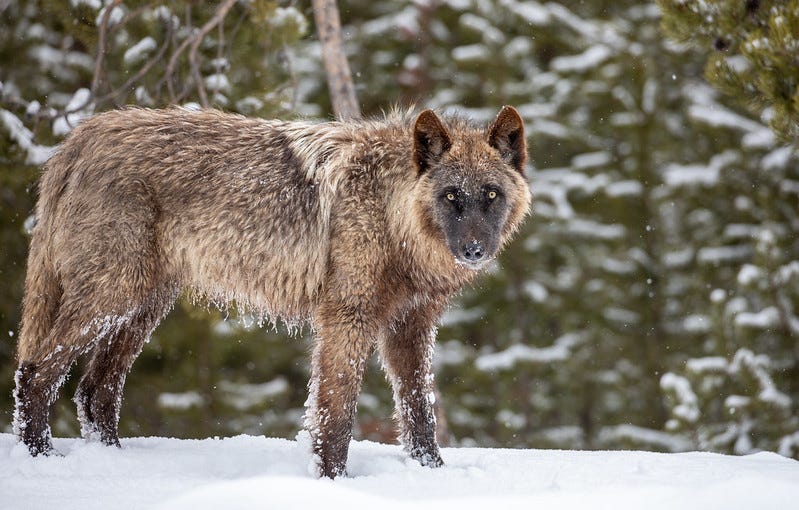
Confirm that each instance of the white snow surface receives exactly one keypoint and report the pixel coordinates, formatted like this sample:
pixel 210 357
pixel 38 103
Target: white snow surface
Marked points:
pixel 246 472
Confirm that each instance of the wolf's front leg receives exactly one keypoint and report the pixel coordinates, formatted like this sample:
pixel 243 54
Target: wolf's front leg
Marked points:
pixel 407 354
pixel 345 339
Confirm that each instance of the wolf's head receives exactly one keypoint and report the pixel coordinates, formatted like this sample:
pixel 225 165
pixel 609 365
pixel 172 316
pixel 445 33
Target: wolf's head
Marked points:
pixel 476 192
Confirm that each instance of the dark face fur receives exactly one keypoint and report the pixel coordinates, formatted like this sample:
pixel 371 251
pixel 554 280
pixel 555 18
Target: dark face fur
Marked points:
pixel 472 181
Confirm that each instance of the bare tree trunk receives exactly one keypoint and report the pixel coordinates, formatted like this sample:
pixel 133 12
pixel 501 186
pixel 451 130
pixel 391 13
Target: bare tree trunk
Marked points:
pixel 339 78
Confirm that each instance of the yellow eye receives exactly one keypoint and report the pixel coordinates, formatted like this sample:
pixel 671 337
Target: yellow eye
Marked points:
pixel 492 195
pixel 450 196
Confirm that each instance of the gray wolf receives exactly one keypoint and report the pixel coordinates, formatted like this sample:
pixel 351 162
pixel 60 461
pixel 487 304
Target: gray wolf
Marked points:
pixel 364 229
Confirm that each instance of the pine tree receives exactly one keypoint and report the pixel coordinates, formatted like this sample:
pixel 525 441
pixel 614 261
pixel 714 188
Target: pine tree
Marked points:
pixel 738 392
pixel 752 47
pixel 751 328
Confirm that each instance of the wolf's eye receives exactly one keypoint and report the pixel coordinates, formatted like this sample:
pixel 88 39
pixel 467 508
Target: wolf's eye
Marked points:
pixel 492 195
pixel 450 196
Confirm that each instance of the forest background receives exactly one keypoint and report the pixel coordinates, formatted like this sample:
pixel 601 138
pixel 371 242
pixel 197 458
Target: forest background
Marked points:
pixel 651 299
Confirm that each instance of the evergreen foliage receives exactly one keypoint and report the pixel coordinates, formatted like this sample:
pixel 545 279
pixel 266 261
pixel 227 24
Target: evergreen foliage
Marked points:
pixel 752 48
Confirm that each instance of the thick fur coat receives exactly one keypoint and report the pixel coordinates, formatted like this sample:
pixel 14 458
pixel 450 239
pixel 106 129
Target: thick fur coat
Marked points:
pixel 363 228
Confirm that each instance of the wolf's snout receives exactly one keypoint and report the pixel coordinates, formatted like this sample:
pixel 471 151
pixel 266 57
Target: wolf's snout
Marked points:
pixel 473 252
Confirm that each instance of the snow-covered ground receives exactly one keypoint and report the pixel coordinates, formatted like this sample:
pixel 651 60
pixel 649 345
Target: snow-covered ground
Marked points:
pixel 257 472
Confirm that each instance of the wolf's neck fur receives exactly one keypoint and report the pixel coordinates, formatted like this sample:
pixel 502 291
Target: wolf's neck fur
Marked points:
pixel 380 151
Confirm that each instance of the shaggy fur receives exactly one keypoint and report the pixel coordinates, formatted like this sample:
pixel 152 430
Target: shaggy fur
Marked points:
pixel 364 229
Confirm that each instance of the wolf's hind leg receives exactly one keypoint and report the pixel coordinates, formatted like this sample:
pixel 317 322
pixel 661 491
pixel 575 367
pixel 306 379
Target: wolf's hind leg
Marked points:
pixel 99 394
pixel 41 372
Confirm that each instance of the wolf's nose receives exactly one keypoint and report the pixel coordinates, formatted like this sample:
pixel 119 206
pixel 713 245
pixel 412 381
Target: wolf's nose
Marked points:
pixel 473 251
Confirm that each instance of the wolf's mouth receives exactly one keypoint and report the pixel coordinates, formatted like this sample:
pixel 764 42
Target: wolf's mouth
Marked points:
pixel 474 265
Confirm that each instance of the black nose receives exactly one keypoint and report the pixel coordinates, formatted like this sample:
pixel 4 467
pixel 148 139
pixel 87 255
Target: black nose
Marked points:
pixel 473 251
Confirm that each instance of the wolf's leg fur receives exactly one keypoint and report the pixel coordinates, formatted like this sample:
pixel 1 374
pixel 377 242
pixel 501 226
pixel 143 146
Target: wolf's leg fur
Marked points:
pixel 345 340
pixel 99 394
pixel 110 272
pixel 407 352
pixel 40 374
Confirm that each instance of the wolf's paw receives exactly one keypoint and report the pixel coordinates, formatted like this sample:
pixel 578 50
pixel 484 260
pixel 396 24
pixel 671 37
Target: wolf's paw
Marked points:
pixel 427 457
pixel 45 449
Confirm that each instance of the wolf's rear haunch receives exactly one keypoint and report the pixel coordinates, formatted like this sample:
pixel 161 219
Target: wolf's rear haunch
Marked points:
pixel 364 229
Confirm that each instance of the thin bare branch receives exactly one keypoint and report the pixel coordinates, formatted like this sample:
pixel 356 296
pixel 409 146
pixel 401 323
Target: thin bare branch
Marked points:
pixel 143 70
pixel 101 46
pixel 170 67
pixel 193 43
pixel 218 18
pixel 135 13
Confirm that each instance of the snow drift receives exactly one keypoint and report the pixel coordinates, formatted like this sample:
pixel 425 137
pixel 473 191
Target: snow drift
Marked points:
pixel 246 472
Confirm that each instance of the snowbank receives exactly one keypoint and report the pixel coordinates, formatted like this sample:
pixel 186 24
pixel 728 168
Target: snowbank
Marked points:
pixel 256 472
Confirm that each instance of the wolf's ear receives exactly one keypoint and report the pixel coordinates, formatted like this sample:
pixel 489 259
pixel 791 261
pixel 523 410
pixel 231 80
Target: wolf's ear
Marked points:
pixel 430 140
pixel 506 135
